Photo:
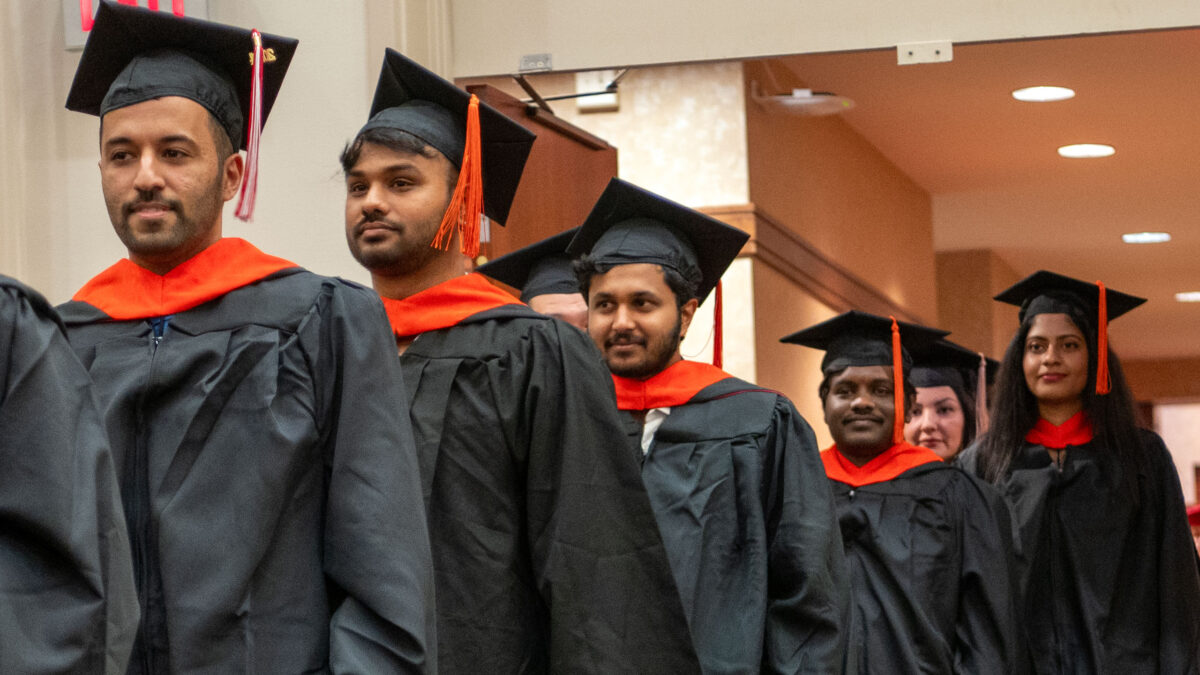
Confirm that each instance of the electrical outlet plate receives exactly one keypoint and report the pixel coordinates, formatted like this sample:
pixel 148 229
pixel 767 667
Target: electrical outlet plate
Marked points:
pixel 937 51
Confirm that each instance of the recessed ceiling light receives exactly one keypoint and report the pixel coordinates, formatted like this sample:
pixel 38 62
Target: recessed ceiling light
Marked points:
pixel 1145 237
pixel 1190 296
pixel 1043 94
pixel 1086 150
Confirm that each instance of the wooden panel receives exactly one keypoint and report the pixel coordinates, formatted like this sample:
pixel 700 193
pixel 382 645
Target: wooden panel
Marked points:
pixel 804 265
pixel 567 170
pixel 1163 379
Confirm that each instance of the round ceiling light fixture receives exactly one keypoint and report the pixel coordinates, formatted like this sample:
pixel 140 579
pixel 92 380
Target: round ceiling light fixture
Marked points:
pixel 804 102
pixel 1043 94
pixel 1146 237
pixel 1086 150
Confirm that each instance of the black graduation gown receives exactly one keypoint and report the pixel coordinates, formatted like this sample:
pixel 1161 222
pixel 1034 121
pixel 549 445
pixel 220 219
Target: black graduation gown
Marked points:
pixel 269 482
pixel 1108 587
pixel 741 499
pixel 67 601
pixel 545 549
pixel 931 574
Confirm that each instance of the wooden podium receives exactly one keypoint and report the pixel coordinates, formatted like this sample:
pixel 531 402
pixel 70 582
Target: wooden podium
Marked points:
pixel 567 170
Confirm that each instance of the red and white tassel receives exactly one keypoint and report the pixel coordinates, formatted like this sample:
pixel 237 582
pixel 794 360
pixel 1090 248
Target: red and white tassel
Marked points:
pixel 245 205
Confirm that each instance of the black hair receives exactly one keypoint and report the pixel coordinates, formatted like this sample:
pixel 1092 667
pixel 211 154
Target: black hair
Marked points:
pixel 1014 410
pixel 396 141
pixel 967 402
pixel 587 267
pixel 220 138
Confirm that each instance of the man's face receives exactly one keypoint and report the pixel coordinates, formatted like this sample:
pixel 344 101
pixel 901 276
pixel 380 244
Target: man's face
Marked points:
pixel 394 205
pixel 634 321
pixel 163 181
pixel 860 409
pixel 570 307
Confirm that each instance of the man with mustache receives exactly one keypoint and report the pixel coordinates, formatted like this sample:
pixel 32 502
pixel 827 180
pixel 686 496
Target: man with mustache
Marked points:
pixel 926 543
pixel 732 469
pixel 266 466
pixel 545 551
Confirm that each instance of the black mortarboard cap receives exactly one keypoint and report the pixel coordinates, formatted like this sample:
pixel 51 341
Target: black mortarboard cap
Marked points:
pixel 945 363
pixel 861 339
pixel 413 99
pixel 1046 292
pixel 540 268
pixel 134 55
pixel 631 225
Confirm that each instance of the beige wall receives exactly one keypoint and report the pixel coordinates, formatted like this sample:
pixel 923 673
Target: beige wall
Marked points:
pixel 820 179
pixel 741 328
pixel 1179 426
pixel 679 130
pixel 784 308
pixel 490 37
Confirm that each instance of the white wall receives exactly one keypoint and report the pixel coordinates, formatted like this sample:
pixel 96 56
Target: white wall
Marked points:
pixel 490 37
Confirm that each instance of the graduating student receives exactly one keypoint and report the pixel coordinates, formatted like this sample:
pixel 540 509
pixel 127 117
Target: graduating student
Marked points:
pixel 951 404
pixel 1108 571
pixel 926 543
pixel 543 273
pixel 255 409
pixel 545 550
pixel 732 469
pixel 67 601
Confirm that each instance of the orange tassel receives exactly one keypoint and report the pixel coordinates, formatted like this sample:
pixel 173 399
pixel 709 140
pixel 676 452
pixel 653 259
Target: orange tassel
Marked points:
pixel 898 380
pixel 1103 386
pixel 718 341
pixel 466 205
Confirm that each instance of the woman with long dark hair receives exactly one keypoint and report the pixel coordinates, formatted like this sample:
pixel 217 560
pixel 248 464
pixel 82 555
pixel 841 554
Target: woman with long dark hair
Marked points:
pixel 1108 573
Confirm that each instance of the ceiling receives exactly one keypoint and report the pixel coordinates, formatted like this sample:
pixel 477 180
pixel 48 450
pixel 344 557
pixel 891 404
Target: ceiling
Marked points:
pixel 990 163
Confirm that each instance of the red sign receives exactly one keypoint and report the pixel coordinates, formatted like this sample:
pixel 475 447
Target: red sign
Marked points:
pixel 87 16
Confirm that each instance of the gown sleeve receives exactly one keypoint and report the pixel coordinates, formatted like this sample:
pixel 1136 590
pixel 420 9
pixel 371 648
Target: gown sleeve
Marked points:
pixel 376 543
pixel 1178 582
pixel 987 639
pixel 598 560
pixel 808 587
pixel 67 598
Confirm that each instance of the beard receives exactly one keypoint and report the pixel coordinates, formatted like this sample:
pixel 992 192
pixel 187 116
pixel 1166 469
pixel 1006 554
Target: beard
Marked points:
pixel 659 352
pixel 192 221
pixel 410 249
